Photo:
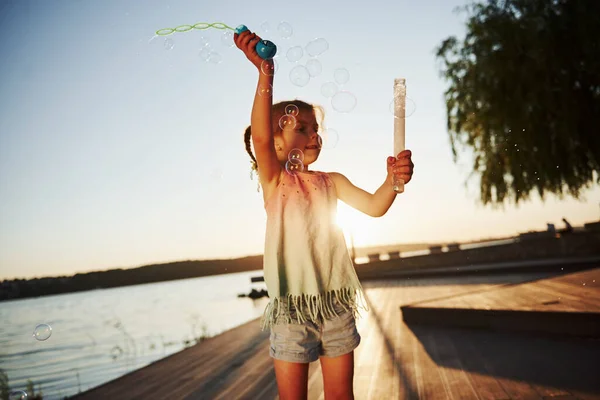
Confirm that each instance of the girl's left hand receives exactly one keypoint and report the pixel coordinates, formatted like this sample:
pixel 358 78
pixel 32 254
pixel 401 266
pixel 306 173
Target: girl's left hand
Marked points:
pixel 401 166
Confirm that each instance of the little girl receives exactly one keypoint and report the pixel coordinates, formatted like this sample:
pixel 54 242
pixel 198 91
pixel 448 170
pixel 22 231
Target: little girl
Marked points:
pixel 313 288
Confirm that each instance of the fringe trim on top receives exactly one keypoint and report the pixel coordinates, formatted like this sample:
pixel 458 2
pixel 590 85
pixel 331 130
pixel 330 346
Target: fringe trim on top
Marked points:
pixel 312 307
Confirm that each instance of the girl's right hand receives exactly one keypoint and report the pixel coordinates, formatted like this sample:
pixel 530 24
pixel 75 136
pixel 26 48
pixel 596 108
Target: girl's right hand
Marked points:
pixel 246 41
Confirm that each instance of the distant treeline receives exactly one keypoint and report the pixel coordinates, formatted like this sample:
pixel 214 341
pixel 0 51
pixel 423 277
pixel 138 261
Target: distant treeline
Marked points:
pixel 22 288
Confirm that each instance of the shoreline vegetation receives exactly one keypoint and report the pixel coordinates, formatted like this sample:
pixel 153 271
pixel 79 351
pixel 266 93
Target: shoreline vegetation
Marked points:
pixel 15 289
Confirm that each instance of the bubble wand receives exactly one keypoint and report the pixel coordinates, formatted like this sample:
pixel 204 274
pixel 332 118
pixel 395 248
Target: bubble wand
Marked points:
pixel 399 126
pixel 265 48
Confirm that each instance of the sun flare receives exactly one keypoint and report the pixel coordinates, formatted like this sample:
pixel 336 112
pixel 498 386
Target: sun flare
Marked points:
pixel 354 224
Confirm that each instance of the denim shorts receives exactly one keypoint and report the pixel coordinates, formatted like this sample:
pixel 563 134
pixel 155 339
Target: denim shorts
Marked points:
pixel 305 342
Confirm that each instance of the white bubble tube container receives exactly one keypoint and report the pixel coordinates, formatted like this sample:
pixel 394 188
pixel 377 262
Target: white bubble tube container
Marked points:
pixel 399 125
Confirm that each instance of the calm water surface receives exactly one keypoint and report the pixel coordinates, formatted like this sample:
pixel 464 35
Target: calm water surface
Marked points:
pixel 100 335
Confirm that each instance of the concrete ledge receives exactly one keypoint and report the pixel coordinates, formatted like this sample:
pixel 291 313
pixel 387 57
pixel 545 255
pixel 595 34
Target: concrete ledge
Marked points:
pixel 571 246
pixel 552 323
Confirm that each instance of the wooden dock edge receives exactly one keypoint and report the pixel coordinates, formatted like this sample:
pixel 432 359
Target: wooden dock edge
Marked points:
pixel 541 323
pixel 387 269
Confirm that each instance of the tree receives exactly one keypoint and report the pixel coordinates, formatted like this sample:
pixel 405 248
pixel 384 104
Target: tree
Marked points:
pixel 524 96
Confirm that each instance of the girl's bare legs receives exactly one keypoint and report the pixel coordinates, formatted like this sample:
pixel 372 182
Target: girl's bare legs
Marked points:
pixel 292 379
pixel 338 376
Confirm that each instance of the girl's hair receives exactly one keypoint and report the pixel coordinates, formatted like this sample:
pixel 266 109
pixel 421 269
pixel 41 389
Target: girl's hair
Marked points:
pixel 277 111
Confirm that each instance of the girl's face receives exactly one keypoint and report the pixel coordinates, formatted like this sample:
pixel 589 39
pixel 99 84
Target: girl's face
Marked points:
pixel 303 136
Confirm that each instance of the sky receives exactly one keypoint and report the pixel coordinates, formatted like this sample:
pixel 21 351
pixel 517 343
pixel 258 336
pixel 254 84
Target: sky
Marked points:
pixel 119 150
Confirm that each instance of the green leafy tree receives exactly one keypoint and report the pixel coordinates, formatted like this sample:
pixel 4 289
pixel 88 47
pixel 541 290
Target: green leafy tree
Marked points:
pixel 524 96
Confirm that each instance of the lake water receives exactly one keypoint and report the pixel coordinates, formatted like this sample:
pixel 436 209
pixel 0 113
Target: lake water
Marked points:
pixel 100 335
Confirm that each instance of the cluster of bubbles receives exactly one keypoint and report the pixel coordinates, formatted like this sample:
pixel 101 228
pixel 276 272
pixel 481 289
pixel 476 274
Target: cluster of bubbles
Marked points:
pixel 342 100
pixel 288 120
pixel 42 332
pixel 209 54
pixel 328 137
pixel 295 162
pixel 300 75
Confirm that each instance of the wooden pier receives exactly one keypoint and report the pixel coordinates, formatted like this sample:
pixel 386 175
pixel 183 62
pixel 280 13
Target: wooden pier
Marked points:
pixel 413 347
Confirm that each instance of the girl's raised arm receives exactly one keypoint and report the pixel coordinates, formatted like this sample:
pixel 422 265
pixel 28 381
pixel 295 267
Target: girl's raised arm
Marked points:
pixel 269 168
pixel 378 203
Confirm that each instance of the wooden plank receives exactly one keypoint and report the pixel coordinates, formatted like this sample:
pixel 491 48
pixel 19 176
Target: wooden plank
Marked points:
pixel 364 357
pixel 560 301
pixel 435 385
pixel 591 302
pixel 460 382
pixel 223 357
pixel 530 296
pixel 590 277
pixel 407 372
pixel 485 385
pixel 455 384
pixel 513 298
pixel 511 389
pixel 384 382
pixel 209 376
pixel 569 285
pixel 526 296
pixel 242 380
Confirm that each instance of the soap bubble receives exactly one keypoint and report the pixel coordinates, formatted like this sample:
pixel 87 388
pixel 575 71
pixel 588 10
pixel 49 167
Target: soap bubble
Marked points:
pixel 328 89
pixel 285 30
pixel 227 38
pixel 204 53
pixel 287 121
pixel 343 101
pixel 314 67
pixel 42 332
pixel 294 54
pixel 215 58
pixel 328 138
pixel 265 90
pixel 116 352
pixel 409 107
pixel 316 47
pixel 269 67
pixel 153 40
pixel 204 41
pixel 341 75
pixel 265 27
pixel 299 75
pixel 296 154
pixel 17 395
pixel 169 44
pixel 294 165
pixel 165 42
pixel 292 109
